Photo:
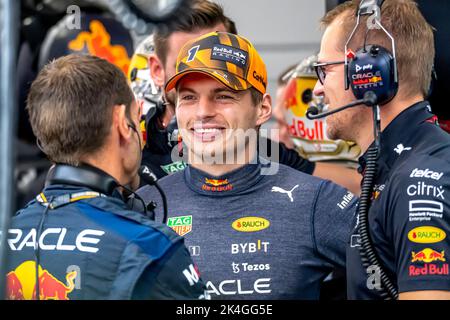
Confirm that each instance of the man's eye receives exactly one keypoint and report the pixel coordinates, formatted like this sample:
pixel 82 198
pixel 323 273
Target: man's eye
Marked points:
pixel 224 97
pixel 187 97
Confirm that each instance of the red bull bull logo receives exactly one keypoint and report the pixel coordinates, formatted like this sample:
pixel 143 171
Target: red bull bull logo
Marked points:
pixel 217 185
pixel 290 96
pixel 428 255
pixel 21 284
pixel 98 43
pixel 143 133
pixel 375 80
pixel 294 97
pixel 216 182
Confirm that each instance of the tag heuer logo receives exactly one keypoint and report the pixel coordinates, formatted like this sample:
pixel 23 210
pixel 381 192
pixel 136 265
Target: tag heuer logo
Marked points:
pixel 174 167
pixel 181 225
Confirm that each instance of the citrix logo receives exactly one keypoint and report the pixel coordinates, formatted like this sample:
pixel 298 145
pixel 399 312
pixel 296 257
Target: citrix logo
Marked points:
pixel 422 189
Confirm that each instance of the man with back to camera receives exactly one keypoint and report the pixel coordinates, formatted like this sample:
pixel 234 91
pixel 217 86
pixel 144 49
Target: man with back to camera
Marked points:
pixel 90 244
pixel 207 17
pixel 255 233
pixel 409 214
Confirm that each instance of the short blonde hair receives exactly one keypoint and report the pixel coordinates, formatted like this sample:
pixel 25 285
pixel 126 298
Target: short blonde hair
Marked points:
pixel 414 39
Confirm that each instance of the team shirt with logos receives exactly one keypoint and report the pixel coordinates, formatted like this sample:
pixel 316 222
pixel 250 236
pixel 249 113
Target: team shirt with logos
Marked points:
pixel 258 236
pixel 409 216
pixel 95 248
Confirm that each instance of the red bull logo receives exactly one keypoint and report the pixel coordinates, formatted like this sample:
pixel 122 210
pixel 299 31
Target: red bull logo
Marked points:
pixel 310 130
pixel 290 95
pixel 21 284
pixel 428 269
pixel 375 79
pixel 217 185
pixel 98 43
pixel 143 132
pixel 295 91
pixel 428 255
pixel 216 182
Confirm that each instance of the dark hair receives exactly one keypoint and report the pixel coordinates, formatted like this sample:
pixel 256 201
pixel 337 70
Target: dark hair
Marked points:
pixel 203 14
pixel 70 105
pixel 257 97
pixel 413 36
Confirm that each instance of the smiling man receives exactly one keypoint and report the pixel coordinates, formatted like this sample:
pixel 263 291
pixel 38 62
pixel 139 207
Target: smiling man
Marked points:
pixel 208 16
pixel 253 235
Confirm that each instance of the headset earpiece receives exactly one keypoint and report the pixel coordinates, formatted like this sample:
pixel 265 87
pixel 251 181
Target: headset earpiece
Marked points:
pixel 373 68
pixel 347 77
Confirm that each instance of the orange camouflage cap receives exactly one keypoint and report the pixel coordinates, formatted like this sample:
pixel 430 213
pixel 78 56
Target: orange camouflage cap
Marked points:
pixel 229 58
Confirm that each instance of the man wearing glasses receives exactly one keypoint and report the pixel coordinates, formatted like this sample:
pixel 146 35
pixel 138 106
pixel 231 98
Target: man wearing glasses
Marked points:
pixel 409 214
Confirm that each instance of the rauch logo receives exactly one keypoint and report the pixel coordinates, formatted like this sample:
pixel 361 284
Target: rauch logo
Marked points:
pixel 250 224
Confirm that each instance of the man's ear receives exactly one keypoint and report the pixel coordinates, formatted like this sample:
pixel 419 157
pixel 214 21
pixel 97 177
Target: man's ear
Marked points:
pixel 264 110
pixel 156 70
pixel 121 122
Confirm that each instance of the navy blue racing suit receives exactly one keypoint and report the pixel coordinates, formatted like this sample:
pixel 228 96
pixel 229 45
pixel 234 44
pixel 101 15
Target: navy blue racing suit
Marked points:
pixel 91 246
pixel 258 233
pixel 410 212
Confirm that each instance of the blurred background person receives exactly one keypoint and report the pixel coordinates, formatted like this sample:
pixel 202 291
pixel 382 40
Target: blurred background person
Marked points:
pixel 279 110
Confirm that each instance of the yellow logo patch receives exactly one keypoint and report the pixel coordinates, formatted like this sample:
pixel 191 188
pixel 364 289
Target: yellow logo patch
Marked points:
pixel 250 224
pixel 426 234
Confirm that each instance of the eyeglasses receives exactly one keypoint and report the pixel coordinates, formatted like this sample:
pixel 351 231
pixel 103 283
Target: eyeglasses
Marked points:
pixel 320 69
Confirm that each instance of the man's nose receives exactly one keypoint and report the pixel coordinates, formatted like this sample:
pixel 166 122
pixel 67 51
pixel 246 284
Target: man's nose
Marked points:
pixel 318 89
pixel 205 108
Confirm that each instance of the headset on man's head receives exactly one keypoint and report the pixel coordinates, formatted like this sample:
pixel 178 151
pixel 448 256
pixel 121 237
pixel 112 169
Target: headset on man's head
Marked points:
pixel 372 73
pixel 373 67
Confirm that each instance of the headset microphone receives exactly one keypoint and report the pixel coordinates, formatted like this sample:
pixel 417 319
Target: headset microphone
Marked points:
pixel 150 178
pixel 372 69
pixel 369 99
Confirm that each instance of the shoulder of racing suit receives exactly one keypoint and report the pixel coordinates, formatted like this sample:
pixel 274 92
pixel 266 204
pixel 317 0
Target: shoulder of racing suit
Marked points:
pixel 412 205
pixel 126 242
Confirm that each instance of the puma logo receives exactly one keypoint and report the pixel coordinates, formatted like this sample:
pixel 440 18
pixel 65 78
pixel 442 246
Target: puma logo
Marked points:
pixel 281 190
pixel 400 148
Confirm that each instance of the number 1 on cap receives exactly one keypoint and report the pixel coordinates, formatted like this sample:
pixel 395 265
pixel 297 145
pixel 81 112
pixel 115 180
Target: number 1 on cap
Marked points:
pixel 192 52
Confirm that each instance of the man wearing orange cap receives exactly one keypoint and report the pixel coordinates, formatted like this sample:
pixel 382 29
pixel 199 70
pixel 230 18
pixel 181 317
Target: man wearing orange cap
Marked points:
pixel 207 16
pixel 255 229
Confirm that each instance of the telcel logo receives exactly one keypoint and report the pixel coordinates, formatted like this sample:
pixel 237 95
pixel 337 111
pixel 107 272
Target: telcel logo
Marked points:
pixel 426 234
pixel 427 173
pixel 250 224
